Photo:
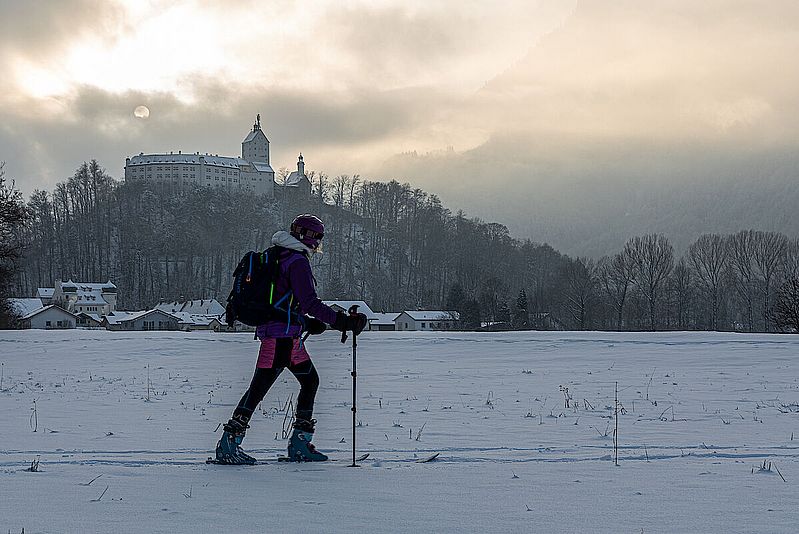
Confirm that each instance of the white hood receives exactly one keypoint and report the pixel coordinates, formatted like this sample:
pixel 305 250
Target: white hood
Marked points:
pixel 284 239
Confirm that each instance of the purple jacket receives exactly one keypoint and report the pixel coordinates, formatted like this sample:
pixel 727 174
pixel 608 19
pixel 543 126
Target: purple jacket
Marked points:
pixel 295 275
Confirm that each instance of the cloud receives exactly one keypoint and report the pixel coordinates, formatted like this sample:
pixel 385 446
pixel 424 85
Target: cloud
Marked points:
pixel 37 29
pixel 655 70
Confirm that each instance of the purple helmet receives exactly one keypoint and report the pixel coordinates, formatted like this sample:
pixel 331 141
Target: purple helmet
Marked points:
pixel 309 229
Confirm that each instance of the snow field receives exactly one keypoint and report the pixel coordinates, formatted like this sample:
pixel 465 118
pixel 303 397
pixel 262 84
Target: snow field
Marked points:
pixel 699 415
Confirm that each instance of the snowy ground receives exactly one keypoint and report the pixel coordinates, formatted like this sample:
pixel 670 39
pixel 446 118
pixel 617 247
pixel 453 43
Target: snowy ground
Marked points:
pixel 700 415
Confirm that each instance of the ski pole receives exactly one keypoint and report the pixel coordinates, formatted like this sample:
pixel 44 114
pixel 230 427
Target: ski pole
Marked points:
pixel 352 312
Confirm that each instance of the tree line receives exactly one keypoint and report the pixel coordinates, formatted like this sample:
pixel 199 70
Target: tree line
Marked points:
pixel 398 248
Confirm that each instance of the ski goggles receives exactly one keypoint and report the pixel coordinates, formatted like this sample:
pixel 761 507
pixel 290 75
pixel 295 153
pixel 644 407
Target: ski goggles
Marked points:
pixel 306 232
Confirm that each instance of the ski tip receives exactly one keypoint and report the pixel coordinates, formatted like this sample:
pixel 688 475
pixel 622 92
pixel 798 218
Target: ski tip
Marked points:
pixel 362 457
pixel 427 458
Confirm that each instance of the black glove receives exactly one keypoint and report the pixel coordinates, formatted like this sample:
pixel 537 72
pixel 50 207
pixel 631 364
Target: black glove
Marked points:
pixel 314 326
pixel 353 323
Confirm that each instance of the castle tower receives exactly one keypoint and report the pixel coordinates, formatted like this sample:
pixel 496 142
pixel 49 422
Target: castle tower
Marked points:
pixel 300 166
pixel 255 146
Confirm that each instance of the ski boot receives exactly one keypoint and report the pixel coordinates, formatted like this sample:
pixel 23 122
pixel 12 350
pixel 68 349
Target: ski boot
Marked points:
pixel 228 450
pixel 300 447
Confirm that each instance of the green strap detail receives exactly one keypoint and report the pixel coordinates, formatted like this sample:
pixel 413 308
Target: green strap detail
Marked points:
pixel 271 292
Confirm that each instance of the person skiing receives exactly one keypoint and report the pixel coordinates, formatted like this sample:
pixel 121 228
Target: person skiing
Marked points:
pixel 282 346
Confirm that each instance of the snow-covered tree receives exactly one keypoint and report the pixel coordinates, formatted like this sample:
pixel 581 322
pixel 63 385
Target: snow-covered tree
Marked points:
pixel 13 215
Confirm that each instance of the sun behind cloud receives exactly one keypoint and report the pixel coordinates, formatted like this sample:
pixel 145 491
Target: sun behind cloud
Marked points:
pixel 141 112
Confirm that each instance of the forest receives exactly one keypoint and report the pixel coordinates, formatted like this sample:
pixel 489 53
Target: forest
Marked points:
pixel 398 248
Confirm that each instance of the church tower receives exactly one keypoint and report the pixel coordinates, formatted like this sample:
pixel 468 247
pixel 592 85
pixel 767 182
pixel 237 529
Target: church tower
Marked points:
pixel 255 146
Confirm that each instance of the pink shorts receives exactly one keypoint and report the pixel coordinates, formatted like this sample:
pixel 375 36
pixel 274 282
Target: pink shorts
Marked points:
pixel 281 352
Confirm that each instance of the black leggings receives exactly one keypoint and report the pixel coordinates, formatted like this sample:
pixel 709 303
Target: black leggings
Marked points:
pixel 262 380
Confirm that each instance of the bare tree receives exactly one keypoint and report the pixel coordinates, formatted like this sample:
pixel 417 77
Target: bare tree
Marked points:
pixel 786 306
pixel 769 248
pixel 709 256
pixel 789 267
pixel 282 175
pixel 579 293
pixel 681 286
pixel 615 276
pixel 654 260
pixel 742 252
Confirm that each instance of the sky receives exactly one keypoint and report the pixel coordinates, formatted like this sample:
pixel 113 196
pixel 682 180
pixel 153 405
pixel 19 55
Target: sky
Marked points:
pixel 528 113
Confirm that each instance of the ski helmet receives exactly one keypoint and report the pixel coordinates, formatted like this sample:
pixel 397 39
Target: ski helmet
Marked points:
pixel 309 229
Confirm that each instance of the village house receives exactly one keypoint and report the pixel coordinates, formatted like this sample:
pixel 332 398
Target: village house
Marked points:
pixel 48 318
pixel 147 320
pixel 81 297
pixel 427 320
pixel 383 322
pixel 88 320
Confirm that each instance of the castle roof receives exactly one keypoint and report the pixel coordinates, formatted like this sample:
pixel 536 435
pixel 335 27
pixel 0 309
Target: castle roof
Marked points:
pixel 219 161
pixel 253 134
pixel 295 179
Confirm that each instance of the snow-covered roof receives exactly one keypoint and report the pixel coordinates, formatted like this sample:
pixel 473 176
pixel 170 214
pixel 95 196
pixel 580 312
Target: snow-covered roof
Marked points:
pixel 118 316
pixel 207 159
pixel 346 304
pixel 93 316
pixel 40 310
pixel 88 292
pixel 143 314
pixel 87 295
pixel 26 306
pixel 432 315
pixel 45 292
pixel 196 307
pixel 384 318
pixel 195 319
pixel 261 166
pixel 253 134
pixel 295 179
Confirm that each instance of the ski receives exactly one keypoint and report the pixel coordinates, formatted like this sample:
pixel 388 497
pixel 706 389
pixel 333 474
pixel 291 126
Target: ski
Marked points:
pixel 286 459
pixel 282 459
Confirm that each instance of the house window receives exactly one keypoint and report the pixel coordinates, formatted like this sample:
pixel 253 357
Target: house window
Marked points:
pixel 49 324
pixel 423 325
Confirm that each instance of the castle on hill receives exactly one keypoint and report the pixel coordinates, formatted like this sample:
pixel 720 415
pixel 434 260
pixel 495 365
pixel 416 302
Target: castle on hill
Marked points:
pixel 252 171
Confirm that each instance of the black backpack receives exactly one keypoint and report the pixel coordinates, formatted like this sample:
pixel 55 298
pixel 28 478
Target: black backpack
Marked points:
pixel 252 299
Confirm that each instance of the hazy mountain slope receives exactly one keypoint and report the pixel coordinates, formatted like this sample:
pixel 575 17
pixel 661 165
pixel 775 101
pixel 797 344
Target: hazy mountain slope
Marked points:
pixel 674 117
